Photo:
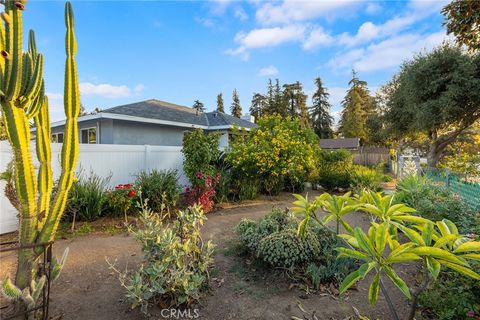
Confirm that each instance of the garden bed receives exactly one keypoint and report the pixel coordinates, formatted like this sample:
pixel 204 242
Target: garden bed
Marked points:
pixel 88 289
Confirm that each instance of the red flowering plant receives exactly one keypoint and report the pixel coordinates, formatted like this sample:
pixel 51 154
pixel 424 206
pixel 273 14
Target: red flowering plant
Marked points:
pixel 203 191
pixel 121 198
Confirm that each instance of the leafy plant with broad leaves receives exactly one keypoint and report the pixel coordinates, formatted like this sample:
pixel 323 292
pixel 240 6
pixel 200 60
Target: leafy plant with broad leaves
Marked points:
pixel 435 244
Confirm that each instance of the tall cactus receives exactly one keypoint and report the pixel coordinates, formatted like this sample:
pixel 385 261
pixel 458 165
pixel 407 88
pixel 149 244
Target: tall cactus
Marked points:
pixel 22 99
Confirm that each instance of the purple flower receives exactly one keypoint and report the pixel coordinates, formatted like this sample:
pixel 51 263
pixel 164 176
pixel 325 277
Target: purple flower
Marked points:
pixel 471 314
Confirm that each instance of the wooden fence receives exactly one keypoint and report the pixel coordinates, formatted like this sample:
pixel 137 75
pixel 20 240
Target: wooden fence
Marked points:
pixel 371 156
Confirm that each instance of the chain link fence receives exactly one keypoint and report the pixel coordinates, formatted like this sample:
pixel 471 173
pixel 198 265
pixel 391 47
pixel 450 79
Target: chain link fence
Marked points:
pixel 467 187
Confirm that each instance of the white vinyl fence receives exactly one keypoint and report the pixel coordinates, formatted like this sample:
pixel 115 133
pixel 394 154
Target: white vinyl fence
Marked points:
pixel 120 162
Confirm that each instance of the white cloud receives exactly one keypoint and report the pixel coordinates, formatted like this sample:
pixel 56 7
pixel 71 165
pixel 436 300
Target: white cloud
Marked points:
pixel 373 8
pixel 206 22
pixel 240 52
pixel 336 95
pixel 316 38
pixel 388 53
pixel 108 91
pixel 139 88
pixel 240 14
pixel 290 11
pixel 269 37
pixel 269 71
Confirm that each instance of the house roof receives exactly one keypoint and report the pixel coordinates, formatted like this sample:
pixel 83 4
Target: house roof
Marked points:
pixel 344 143
pixel 162 112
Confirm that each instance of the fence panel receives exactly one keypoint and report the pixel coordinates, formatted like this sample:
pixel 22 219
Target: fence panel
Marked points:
pixel 120 162
pixel 368 156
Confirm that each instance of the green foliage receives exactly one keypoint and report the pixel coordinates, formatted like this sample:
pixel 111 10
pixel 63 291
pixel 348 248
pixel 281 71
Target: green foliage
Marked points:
pixel 220 106
pixel 278 154
pixel 87 198
pixel 435 202
pixel 322 120
pixel 452 296
pixel 366 178
pixel 200 151
pixel 462 18
pixel 274 240
pixel 161 188
pixel 357 106
pixel 198 106
pixel 334 168
pixel 436 244
pixel 436 94
pixel 236 108
pixel 3 130
pixel 175 267
pixel 286 249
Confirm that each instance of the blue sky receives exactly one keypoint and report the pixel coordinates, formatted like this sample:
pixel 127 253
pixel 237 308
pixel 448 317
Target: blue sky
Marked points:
pixel 180 51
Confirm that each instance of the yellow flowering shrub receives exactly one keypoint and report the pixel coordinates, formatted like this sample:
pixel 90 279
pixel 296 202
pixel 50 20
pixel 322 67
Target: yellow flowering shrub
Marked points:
pixel 280 154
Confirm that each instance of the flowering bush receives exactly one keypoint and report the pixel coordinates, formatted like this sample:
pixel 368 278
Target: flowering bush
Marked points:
pixel 279 153
pixel 200 151
pixel 203 191
pixel 120 199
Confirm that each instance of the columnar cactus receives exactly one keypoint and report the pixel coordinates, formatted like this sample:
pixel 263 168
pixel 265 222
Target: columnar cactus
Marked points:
pixel 22 99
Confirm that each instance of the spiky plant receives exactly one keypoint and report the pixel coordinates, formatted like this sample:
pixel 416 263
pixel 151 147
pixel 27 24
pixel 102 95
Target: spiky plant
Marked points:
pixel 22 99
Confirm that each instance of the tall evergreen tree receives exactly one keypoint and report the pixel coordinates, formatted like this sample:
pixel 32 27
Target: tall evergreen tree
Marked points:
pixel 322 121
pixel 197 105
pixel 220 107
pixel 236 109
pixel 258 106
pixel 357 105
pixel 295 101
pixel 279 104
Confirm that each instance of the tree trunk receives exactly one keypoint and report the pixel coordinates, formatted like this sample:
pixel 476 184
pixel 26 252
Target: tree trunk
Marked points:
pixel 434 154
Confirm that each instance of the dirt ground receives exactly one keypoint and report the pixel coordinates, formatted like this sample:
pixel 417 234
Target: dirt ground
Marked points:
pixel 88 289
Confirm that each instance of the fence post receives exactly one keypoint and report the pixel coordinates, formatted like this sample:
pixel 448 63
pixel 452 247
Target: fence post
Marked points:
pixel 447 178
pixel 146 162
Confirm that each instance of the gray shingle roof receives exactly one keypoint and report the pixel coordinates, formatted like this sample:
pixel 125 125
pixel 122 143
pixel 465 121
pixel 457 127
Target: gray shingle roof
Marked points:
pixel 345 143
pixel 161 110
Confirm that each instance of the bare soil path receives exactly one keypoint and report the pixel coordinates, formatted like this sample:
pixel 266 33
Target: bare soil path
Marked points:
pixel 88 289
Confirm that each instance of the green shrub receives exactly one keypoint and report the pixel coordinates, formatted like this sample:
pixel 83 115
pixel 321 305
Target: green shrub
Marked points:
pixel 274 240
pixel 365 178
pixel 286 249
pixel 175 269
pixel 161 188
pixel 200 152
pixel 435 202
pixel 278 155
pixel 452 296
pixel 334 168
pixel 87 198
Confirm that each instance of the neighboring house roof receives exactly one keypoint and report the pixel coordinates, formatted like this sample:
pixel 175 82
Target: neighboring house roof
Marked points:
pixel 344 143
pixel 161 112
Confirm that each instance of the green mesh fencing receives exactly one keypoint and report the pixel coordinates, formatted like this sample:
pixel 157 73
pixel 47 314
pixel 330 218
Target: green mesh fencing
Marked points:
pixel 457 183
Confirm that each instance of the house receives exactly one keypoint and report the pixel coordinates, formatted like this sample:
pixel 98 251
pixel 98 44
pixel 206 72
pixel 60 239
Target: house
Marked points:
pixel 343 143
pixel 150 122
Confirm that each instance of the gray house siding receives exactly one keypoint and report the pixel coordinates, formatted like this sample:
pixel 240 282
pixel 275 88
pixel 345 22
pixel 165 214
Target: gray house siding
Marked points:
pixel 127 132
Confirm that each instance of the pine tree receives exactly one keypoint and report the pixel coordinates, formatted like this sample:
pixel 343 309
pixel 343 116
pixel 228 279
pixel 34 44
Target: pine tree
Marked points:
pixel 197 105
pixel 236 109
pixel 295 101
pixel 220 107
pixel 279 103
pixel 320 112
pixel 357 105
pixel 259 104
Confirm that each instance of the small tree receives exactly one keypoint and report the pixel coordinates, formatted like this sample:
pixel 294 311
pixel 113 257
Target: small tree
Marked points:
pixel 220 107
pixel 197 105
pixel 259 103
pixel 236 108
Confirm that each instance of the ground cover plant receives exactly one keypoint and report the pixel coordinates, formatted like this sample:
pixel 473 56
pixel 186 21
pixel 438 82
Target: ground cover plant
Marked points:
pixel 434 245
